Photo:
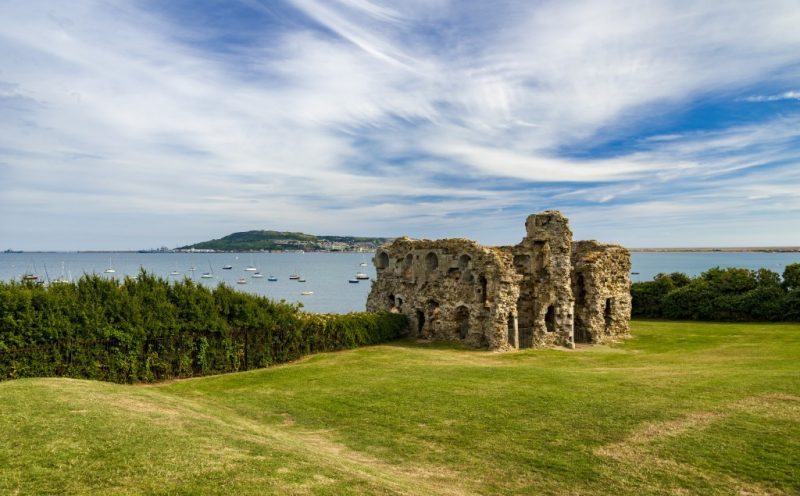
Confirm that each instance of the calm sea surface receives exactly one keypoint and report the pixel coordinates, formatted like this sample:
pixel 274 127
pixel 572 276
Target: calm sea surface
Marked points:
pixel 326 274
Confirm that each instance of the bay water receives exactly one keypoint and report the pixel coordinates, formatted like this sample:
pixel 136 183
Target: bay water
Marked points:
pixel 326 274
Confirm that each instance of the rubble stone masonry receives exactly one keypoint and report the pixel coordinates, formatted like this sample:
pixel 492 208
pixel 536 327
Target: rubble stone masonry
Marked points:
pixel 545 291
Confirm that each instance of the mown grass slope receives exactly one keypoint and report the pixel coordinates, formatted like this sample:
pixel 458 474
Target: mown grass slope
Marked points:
pixel 692 408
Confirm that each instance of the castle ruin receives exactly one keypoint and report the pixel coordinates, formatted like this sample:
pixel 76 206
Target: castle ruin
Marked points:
pixel 545 291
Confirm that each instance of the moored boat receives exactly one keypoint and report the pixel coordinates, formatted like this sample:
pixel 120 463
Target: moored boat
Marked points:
pixel 110 269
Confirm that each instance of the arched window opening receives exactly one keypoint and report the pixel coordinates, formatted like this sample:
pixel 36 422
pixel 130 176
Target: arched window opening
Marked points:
pixel 608 313
pixel 463 261
pixel 541 254
pixel 420 322
pixel 580 296
pixel 382 260
pixel 462 321
pixel 408 261
pixel 391 301
pixel 522 261
pixel 432 261
pixel 399 302
pixel 550 319
pixel 484 288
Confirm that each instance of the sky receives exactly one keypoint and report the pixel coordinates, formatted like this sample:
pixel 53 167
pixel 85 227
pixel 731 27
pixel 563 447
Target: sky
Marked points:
pixel 142 123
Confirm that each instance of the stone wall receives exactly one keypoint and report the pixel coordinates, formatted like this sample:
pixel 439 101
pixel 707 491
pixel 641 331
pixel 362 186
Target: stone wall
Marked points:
pixel 542 258
pixel 544 291
pixel 602 289
pixel 450 289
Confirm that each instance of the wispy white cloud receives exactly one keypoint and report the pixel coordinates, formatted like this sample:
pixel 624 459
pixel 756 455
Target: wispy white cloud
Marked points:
pixel 786 95
pixel 377 117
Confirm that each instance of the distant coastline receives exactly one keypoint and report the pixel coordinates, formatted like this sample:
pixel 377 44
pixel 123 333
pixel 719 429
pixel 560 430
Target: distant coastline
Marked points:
pixel 754 249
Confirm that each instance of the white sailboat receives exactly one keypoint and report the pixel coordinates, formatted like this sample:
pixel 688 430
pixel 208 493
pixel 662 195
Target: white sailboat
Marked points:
pixel 63 278
pixel 252 267
pixel 110 269
pixel 208 275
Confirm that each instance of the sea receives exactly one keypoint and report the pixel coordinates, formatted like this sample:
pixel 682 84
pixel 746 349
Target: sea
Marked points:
pixel 327 275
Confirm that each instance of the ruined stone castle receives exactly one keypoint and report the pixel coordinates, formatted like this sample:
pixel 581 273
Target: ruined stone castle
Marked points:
pixel 545 291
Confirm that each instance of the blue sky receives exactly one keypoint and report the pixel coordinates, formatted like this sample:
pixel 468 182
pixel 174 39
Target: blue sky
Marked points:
pixel 133 124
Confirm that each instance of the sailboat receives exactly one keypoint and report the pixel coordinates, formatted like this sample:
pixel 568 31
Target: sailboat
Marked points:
pixel 272 278
pixel 110 269
pixel 63 278
pixel 241 280
pixel 252 267
pixel 361 275
pixel 208 275
pixel 257 275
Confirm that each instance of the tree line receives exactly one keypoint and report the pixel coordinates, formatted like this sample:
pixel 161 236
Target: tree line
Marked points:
pixel 731 294
pixel 148 329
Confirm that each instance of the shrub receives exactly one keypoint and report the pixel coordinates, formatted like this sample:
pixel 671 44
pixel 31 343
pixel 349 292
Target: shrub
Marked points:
pixel 731 294
pixel 147 329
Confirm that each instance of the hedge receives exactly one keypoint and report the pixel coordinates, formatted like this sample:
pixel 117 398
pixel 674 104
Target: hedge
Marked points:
pixel 731 295
pixel 148 329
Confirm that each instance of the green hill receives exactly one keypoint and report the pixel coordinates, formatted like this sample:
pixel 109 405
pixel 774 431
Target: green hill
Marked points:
pixel 281 240
pixel 681 408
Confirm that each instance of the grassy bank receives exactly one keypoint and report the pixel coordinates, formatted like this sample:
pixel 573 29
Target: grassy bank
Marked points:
pixel 693 408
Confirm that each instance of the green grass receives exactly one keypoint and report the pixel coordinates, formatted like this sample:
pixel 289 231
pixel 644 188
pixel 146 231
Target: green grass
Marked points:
pixel 681 408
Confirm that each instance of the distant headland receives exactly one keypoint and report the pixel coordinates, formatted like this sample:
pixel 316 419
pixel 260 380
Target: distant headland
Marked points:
pixel 286 241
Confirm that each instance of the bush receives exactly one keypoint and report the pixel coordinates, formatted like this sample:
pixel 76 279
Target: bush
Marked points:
pixel 721 294
pixel 147 329
pixel 648 296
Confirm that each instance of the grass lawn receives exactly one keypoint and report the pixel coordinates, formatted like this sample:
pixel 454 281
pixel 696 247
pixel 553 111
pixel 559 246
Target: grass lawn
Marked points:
pixel 681 408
